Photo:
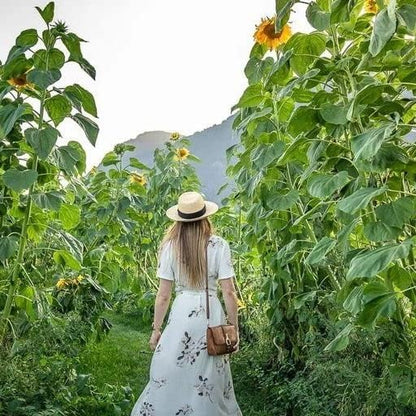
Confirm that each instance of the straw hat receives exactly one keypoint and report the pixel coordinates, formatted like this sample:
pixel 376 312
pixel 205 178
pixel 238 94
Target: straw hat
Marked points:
pixel 191 207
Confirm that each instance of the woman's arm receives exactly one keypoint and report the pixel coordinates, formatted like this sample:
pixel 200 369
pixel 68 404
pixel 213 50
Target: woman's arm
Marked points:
pixel 230 300
pixel 161 306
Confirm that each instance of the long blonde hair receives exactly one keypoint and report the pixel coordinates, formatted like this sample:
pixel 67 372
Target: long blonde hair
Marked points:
pixel 189 241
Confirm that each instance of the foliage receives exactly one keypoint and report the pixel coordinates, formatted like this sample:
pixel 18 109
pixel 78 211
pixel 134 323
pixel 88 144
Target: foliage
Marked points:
pixel 326 168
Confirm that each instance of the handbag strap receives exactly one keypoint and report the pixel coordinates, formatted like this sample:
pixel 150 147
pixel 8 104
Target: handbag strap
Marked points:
pixel 206 281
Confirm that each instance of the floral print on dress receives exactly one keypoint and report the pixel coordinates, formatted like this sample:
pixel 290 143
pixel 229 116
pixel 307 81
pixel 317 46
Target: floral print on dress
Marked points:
pixel 203 388
pixel 220 366
pixel 160 382
pixel 191 349
pixel 185 410
pixel 147 409
pixel 227 390
pixel 196 311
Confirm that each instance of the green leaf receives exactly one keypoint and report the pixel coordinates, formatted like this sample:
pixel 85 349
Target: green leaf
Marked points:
pixel 341 341
pixel 353 302
pixel 303 120
pixel 367 144
pixel 48 200
pixel 320 250
pixel 19 179
pixel 378 301
pixel 67 158
pixel 48 12
pixel 43 79
pixel 339 11
pixel 379 231
pixel 70 216
pixel 334 114
pixel 384 28
pixel 398 212
pixel 55 59
pixel 27 38
pixel 73 44
pixel 42 141
pixel 323 186
pixel 359 199
pixel 300 300
pixel 370 263
pixel 317 17
pixel 280 202
pixel 9 114
pixel 65 258
pixel 8 246
pixel 252 97
pixel 110 158
pixel 407 12
pixel 79 96
pixel 58 108
pixel 24 301
pixel 135 163
pixel 16 67
pixel 283 8
pixel 306 49
pixel 90 127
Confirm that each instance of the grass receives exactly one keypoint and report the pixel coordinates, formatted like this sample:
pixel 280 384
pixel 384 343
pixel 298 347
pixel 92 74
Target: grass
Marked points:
pixel 123 359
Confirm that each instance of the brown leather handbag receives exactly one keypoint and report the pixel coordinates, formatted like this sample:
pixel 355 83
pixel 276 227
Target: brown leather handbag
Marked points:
pixel 221 339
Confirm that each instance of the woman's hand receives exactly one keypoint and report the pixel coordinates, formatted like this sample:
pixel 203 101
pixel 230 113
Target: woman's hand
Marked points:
pixel 154 339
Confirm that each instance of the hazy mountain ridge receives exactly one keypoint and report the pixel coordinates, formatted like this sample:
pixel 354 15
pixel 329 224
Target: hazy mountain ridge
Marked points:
pixel 209 145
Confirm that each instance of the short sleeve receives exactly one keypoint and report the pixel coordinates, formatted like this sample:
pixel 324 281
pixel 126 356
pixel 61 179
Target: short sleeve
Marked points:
pixel 164 268
pixel 225 268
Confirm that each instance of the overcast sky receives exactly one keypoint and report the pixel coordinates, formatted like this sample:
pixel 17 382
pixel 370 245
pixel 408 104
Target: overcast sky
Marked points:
pixel 161 64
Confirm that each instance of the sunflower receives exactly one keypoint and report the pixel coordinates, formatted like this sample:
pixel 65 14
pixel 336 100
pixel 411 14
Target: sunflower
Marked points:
pixel 266 35
pixel 175 136
pixel 137 178
pixel 61 283
pixel 370 6
pixel 181 154
pixel 20 82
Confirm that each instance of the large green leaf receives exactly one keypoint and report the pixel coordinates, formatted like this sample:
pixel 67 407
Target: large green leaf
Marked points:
pixel 65 258
pixel 359 199
pixel 252 97
pixel 341 341
pixel 43 79
pixel 306 48
pixel 16 66
pixel 79 96
pixel 48 12
pixel 367 144
pixel 334 114
pixel 318 18
pixel 27 38
pixel 67 158
pixel 58 108
pixel 24 301
pixel 354 300
pixel 8 246
pixel 407 12
pixel 90 127
pixel 55 59
pixel 370 263
pixel 51 200
pixel 323 185
pixel 398 212
pixel 320 250
pixel 303 120
pixel 384 28
pixel 19 179
pixel 281 202
pixel 378 301
pixel 42 141
pixel 70 216
pixel 9 114
pixel 379 231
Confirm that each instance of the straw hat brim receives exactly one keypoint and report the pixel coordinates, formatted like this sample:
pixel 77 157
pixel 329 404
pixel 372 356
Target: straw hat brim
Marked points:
pixel 211 208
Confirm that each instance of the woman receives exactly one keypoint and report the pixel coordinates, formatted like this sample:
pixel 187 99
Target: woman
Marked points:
pixel 184 379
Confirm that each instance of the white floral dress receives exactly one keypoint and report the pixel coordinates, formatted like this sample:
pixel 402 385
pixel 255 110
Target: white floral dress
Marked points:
pixel 184 379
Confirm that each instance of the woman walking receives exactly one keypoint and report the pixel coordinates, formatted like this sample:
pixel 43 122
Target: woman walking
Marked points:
pixel 184 379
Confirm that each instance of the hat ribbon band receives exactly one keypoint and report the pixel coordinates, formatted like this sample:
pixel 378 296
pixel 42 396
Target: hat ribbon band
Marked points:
pixel 192 214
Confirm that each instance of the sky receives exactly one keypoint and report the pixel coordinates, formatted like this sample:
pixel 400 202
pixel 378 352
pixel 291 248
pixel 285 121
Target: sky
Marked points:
pixel 161 64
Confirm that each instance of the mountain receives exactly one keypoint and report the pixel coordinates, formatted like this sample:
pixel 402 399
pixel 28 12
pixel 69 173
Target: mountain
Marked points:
pixel 209 145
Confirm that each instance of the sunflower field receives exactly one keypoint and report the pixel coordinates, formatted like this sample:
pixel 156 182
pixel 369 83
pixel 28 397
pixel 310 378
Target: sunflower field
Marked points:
pixel 321 224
